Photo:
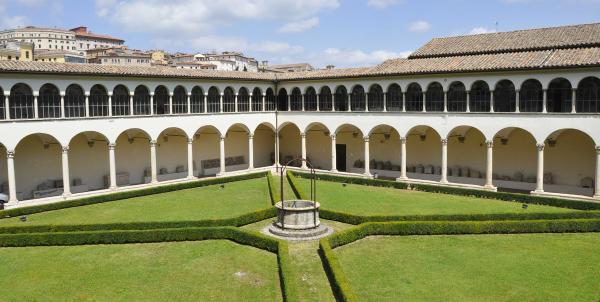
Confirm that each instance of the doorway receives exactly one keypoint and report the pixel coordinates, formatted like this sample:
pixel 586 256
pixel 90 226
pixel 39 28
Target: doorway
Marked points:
pixel 340 155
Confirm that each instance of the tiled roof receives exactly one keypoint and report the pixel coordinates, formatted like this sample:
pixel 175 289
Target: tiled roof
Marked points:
pixel 135 71
pixel 574 36
pixel 98 36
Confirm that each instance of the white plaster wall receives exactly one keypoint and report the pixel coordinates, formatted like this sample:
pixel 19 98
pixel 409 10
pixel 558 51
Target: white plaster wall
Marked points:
pixel 428 152
pixel 34 164
pixel 3 167
pixel 171 153
pixel 318 149
pixel 205 146
pixel 571 159
pixel 381 149
pixel 90 164
pixel 133 158
pixel 355 147
pixel 472 153
pixel 264 145
pixel 290 143
pixel 236 144
pixel 518 155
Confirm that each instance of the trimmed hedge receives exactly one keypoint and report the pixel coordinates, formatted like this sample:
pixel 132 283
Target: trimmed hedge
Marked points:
pixel 288 286
pixel 504 196
pixel 273 193
pixel 125 195
pixel 295 187
pixel 344 292
pixel 235 221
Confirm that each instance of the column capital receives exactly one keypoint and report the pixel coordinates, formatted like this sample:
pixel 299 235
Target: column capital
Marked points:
pixel 489 144
pixel 152 143
pixel 540 147
pixel 222 138
pixel 303 134
pixel 403 139
pixel 65 149
pixel 366 139
pixel 111 146
pixel 10 153
pixel 332 136
pixel 598 150
pixel 190 140
pixel 250 135
pixel 444 141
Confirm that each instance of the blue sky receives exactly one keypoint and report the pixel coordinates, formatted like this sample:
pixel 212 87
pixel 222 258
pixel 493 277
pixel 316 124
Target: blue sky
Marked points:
pixel 344 33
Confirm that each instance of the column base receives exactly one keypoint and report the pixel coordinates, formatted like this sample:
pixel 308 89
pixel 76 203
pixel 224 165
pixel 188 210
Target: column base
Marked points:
pixel 333 171
pixel 191 177
pixel 368 174
pixel 444 181
pixel 537 192
pixel 66 195
pixel 490 187
pixel 596 196
pixel 154 182
pixel 402 178
pixel 113 188
pixel 304 166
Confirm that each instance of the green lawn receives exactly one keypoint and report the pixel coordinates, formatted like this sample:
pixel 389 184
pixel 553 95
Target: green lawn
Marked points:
pixel 366 200
pixel 529 267
pixel 216 270
pixel 209 202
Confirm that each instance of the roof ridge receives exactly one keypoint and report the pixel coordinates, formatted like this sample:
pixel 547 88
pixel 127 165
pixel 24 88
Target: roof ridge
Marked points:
pixel 519 30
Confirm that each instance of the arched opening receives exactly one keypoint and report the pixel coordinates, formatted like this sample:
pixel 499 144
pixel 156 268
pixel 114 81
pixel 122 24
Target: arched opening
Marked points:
pixel 180 99
pixel 467 156
pixel 569 163
pixel 318 146
pixel 375 98
pixel 171 155
pixel 282 100
pixel 3 110
pixel 296 100
pixel 434 97
pixel 21 102
pixel 559 96
pixel 197 100
pixel 120 101
pixel 161 100
pixel 264 145
pixel 132 157
pixel 49 102
pixel 457 97
pixel 206 150
pixel 384 152
pixel 588 95
pixel 270 103
pixel 228 100
pixel 290 144
pixel 341 99
pixel 479 98
pixel 394 98
pixel 98 101
pixel 310 99
pixel 257 99
pixel 3 171
pixel 531 96
pixel 38 167
pixel 74 101
pixel 236 148
pixel 423 153
pixel 325 99
pixel 243 100
pixel 357 98
pixel 89 167
pixel 141 101
pixel 514 160
pixel 505 97
pixel 350 149
pixel 213 100
pixel 414 98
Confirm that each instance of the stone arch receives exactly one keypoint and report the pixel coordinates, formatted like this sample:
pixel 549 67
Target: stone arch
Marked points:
pixel 171 154
pixel 457 97
pixel 38 168
pixel 384 151
pixel 206 150
pixel 318 145
pixel 505 96
pixel 325 99
pixel 434 97
pixel 358 98
pixel 480 97
pixel 3 110
pixel 414 97
pixel 229 99
pixel 180 100
pixel 197 100
pixel 341 98
pixel 237 147
pixel 257 99
pixel 531 96
pixel 213 101
pixel 282 100
pixel 375 98
pixel 120 101
pixel 310 99
pixel 264 145
pixel 161 100
pixel 352 138
pixel 270 100
pixel 141 100
pixel 89 166
pixel 49 101
pixel 514 160
pixel 394 98
pixel 98 101
pixel 423 153
pixel 560 96
pixel 588 95
pixel 467 155
pixel 132 157
pixel 74 101
pixel 21 102
pixel 289 142
pixel 296 99
pixel 243 100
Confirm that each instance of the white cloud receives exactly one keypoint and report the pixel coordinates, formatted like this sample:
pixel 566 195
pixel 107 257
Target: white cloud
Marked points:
pixel 420 27
pixel 382 3
pixel 13 21
pixel 481 30
pixel 299 26
pixel 103 7
pixel 353 57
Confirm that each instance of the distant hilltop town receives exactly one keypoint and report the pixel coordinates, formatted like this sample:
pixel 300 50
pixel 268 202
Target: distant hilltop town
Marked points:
pixel 78 45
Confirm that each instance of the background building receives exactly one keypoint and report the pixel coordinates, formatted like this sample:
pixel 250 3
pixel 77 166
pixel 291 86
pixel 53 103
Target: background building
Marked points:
pixel 85 40
pixel 60 56
pixel 297 67
pixel 16 51
pixel 42 38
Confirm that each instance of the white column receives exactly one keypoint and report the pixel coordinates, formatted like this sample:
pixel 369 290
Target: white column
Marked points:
pixel 444 178
pixel 110 101
pixel 190 158
pixel 131 104
pixel 151 103
pixel 318 102
pixel 264 96
pixel 468 101
pixel 385 102
pixel 221 103
pixel 222 155
pixel 36 113
pixel 445 100
pixel 12 184
pixel 539 187
pixel 205 103
pixel 597 179
pixel 289 107
pixel 65 172
pixel 349 101
pixel 235 103
pixel 62 104
pixel 573 104
pixel 545 101
pixel 366 102
pixel 403 101
pixel 491 101
pixel 250 101
pixel 250 151
pixel 424 100
pixel 153 161
pixel 303 137
pixel 403 159
pixel 189 103
pixel 170 102
pixel 7 105
pixel 112 166
pixel 302 99
pixel 489 164
pixel 87 104
pixel 518 101
pixel 367 156
pixel 333 154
